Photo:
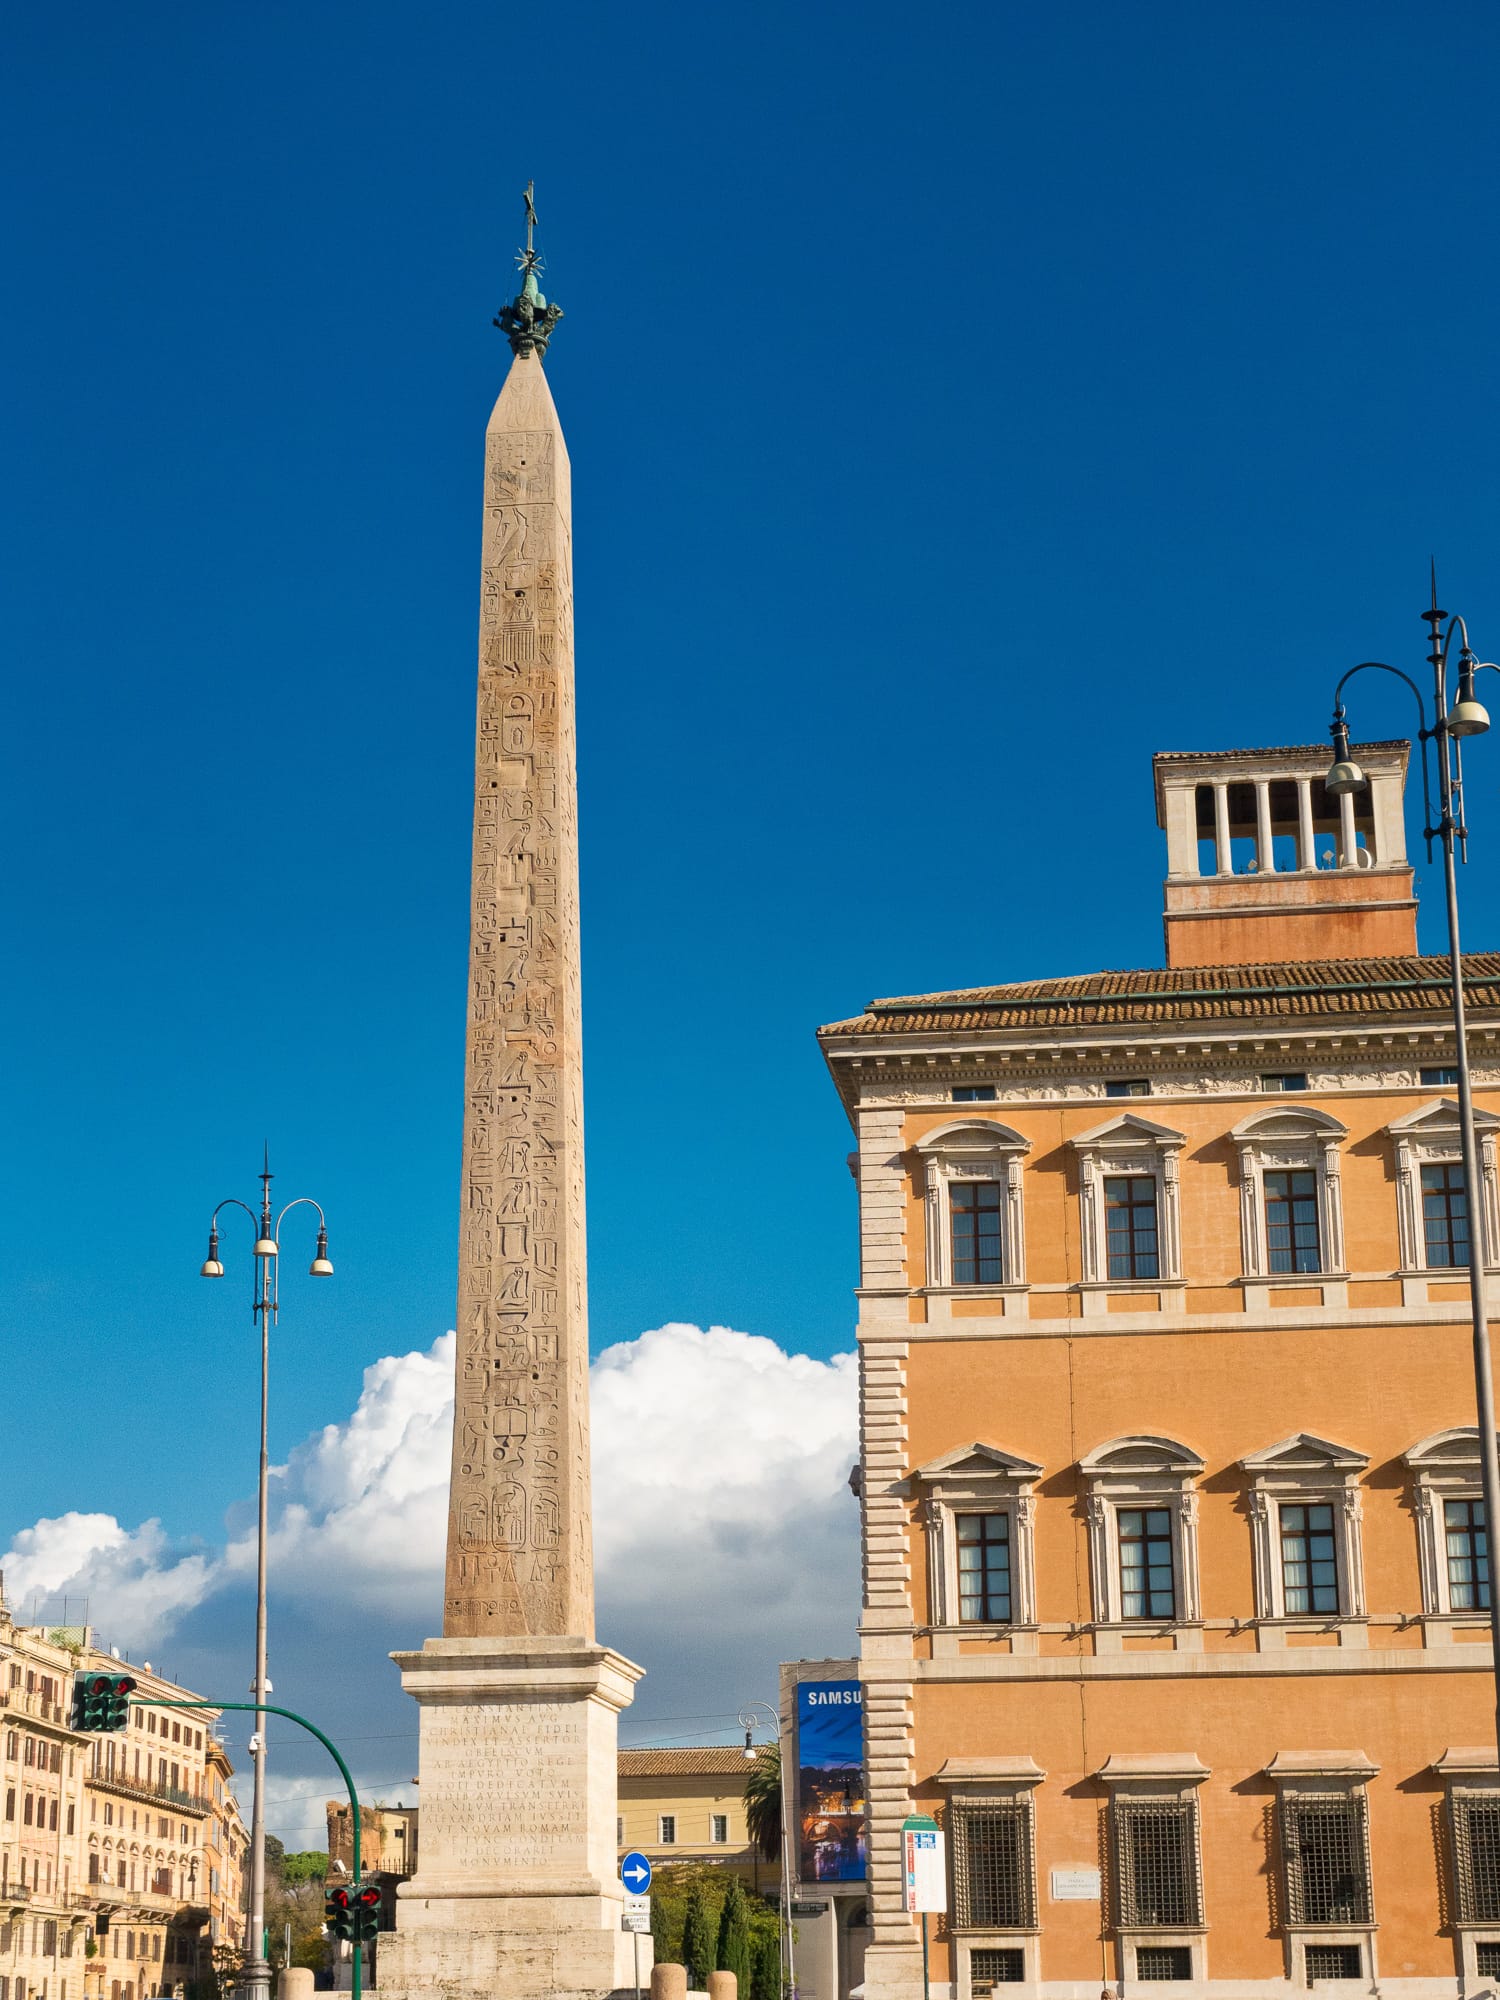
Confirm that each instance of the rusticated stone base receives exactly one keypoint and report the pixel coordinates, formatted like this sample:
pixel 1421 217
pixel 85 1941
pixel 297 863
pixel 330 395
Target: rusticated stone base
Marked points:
pixel 517 1893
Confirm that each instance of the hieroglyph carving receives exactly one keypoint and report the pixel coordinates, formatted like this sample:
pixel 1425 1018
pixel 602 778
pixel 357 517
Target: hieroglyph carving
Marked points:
pixel 519 1543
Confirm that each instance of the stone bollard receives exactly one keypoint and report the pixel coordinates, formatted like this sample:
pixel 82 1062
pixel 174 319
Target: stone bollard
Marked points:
pixel 295 1983
pixel 669 1982
pixel 723 1986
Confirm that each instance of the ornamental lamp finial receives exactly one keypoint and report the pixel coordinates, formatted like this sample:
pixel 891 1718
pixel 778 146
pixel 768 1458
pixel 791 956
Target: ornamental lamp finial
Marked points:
pixel 528 321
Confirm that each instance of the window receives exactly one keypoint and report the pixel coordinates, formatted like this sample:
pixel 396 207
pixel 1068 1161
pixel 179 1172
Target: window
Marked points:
pixel 1438 1215
pixel 987 1968
pixel 1452 1546
pixel 1291 1211
pixel 1309 1561
pixel 1440 1074
pixel 1163 1961
pixel 1467 1548
pixel 978 1515
pixel 666 1829
pixel 1127 1086
pixel 1146 1589
pixel 1141 1504
pixel 973 1093
pixel 1325 1848
pixel 984 1569
pixel 1156 1864
pixel 1486 1952
pixel 1285 1079
pixel 1128 1203
pixel 1333 1961
pixel 1445 1216
pixel 1130 1226
pixel 1476 1855
pixel 718 1829
pixel 993 1876
pixel 972 1176
pixel 975 1208
pixel 1292 1221
pixel 619 1830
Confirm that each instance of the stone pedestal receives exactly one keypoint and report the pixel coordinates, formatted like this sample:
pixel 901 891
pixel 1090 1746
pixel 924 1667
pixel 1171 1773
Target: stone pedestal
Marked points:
pixel 517 1892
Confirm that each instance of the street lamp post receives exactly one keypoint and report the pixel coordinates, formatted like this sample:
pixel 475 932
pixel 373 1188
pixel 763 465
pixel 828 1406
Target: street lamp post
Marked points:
pixel 256 1978
pixel 760 1714
pixel 1466 717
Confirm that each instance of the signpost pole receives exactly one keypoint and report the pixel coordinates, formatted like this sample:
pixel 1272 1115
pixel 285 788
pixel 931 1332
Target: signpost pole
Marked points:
pixel 926 1987
pixel 635 1946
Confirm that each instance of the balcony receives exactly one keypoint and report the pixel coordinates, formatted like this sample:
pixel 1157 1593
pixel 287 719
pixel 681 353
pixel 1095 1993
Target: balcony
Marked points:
pixel 146 1791
pixel 17 1702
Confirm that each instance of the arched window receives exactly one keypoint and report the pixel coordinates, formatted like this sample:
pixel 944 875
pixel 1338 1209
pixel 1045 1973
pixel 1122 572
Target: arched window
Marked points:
pixel 975 1229
pixel 1291 1212
pixel 1142 1505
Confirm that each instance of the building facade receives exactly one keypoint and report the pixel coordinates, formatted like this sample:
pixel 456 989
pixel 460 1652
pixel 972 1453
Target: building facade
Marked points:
pixel 119 1854
pixel 1176 1570
pixel 688 1804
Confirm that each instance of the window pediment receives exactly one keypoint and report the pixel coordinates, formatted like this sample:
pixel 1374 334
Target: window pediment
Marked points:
pixel 1304 1454
pixel 1131 1456
pixel 979 1136
pixel 977 1461
pixel 1129 1129
pixel 1303 1122
pixel 1456 1448
pixel 1440 1116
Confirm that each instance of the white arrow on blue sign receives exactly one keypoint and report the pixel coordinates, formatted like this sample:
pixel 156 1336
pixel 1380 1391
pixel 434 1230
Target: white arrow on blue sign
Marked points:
pixel 635 1872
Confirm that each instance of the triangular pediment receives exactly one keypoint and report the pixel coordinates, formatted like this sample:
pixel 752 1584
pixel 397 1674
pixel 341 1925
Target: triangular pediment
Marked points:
pixel 1441 1115
pixel 1305 1452
pixel 1129 1127
pixel 978 1461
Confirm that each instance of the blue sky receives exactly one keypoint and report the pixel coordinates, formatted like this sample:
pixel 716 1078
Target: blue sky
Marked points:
pixel 962 405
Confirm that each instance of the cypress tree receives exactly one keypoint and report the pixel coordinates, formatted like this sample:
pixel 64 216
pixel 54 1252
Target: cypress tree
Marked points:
pixel 698 1940
pixel 734 1934
pixel 765 1976
pixel 661 1930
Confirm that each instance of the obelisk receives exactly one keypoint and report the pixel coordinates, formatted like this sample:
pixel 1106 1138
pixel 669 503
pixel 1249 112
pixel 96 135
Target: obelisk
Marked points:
pixel 516 1892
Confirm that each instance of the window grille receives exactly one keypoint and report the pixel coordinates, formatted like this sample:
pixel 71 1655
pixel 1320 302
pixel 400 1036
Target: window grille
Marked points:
pixel 1163 1961
pixel 1130 1226
pixel 1146 1583
pixel 993 1883
pixel 995 1968
pixel 974 1209
pixel 984 1569
pixel 1468 1551
pixel 1326 1844
pixel 1334 1961
pixel 1292 1220
pixel 1486 1954
pixel 1445 1217
pixel 1156 1863
pixel 1476 1854
pixel 1309 1561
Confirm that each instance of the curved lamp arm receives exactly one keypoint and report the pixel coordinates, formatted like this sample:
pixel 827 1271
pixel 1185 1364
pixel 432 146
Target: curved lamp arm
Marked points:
pixel 1340 723
pixel 212 1268
pixel 321 1268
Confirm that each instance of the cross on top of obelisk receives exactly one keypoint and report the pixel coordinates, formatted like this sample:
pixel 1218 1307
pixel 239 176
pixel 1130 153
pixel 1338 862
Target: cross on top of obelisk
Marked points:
pixel 528 321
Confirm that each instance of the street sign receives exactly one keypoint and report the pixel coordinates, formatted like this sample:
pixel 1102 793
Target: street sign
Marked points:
pixel 635 1873
pixel 924 1870
pixel 636 1915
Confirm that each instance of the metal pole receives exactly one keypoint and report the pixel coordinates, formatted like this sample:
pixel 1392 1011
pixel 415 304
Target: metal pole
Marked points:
pixel 257 1978
pixel 1484 1386
pixel 926 1985
pixel 635 1946
pixel 786 1866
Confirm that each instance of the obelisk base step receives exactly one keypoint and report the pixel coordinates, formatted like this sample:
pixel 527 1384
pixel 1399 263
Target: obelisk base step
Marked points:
pixel 516 1895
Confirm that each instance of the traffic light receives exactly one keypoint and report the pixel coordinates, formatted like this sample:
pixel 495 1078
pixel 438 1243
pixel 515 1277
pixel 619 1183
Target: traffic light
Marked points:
pixel 102 1701
pixel 367 1903
pixel 339 1913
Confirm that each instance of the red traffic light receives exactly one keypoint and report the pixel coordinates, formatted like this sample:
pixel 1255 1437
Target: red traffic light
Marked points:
pixel 339 1898
pixel 369 1896
pixel 125 1684
pixel 100 1684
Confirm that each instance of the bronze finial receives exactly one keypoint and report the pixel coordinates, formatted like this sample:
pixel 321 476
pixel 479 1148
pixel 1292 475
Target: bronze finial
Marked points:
pixel 528 321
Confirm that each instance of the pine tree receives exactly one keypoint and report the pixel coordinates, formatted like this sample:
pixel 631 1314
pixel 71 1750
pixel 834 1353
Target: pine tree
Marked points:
pixel 765 1977
pixel 734 1934
pixel 698 1940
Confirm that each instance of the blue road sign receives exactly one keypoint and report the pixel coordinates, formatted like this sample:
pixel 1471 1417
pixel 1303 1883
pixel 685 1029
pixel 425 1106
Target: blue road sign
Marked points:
pixel 635 1872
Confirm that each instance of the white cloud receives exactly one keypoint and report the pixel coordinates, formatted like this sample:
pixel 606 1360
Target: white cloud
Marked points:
pixel 725 1538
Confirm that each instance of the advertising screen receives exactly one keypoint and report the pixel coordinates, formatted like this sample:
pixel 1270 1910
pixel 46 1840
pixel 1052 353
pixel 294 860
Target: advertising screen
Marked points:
pixel 831 1781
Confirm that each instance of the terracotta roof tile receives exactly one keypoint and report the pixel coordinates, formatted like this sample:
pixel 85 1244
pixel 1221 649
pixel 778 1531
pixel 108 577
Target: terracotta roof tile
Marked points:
pixel 1276 750
pixel 710 1760
pixel 1316 989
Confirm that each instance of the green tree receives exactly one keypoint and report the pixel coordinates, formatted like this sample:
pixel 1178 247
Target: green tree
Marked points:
pixel 763 1801
pixel 734 1934
pixel 310 1865
pixel 666 1937
pixel 699 1939
pixel 765 1973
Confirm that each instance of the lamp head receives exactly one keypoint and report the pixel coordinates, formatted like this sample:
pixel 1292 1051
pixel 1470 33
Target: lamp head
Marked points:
pixel 1344 775
pixel 1468 716
pixel 212 1268
pixel 749 1749
pixel 320 1266
pixel 266 1246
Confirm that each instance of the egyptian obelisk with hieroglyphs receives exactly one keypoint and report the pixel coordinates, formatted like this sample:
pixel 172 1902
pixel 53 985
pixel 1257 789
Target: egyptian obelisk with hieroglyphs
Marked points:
pixel 517 1893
